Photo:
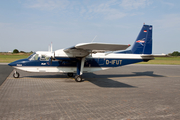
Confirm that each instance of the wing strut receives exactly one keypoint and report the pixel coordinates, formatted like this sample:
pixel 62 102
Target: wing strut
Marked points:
pixel 80 67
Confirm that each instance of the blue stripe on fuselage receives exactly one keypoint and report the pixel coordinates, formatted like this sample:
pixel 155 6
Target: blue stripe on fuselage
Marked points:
pixel 89 62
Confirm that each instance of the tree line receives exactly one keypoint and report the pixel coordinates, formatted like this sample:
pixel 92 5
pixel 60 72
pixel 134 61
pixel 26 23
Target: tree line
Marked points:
pixel 17 51
pixel 175 53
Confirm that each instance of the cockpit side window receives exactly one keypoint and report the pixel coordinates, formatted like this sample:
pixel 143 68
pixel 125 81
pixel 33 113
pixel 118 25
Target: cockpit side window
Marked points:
pixel 44 58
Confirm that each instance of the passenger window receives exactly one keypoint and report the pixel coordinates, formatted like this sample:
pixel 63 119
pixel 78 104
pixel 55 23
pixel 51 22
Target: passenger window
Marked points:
pixel 44 58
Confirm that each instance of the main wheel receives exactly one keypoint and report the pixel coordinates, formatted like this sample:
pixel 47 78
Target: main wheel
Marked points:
pixel 70 74
pixel 78 78
pixel 16 75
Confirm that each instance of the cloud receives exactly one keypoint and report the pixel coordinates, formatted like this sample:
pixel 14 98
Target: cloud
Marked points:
pixel 109 9
pixel 106 10
pixel 168 3
pixel 48 4
pixel 115 9
pixel 134 4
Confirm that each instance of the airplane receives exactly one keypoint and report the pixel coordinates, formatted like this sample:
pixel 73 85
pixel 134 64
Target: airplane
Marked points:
pixel 89 57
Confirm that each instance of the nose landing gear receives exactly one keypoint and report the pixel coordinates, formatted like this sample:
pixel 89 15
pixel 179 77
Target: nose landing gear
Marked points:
pixel 16 74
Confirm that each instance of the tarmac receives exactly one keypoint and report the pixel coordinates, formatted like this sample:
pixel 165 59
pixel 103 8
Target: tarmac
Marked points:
pixel 5 70
pixel 133 92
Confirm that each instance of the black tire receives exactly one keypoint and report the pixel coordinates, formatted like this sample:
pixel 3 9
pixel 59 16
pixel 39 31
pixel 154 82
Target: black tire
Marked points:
pixel 78 78
pixel 16 75
pixel 70 74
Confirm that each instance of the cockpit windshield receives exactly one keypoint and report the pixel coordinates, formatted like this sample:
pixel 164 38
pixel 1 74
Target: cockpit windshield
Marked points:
pixel 42 57
pixel 34 56
pixel 31 56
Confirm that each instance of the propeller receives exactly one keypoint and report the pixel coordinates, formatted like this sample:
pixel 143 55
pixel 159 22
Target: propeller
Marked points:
pixel 51 60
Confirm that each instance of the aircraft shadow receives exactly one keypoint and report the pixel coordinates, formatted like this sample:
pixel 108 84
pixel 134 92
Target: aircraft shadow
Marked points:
pixel 103 80
pixel 106 81
pixel 47 76
pixel 135 74
pixel 109 83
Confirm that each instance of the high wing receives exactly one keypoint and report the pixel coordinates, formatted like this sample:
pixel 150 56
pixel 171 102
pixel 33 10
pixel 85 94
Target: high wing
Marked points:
pixel 84 49
pixel 101 46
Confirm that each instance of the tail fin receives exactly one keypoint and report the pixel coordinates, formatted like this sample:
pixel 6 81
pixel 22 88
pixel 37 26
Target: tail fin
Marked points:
pixel 143 43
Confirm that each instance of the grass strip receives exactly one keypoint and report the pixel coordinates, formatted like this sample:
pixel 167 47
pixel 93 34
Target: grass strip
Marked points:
pixel 8 58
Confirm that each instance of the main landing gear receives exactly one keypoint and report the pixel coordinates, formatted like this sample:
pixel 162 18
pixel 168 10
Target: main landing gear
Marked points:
pixel 78 78
pixel 16 74
pixel 80 66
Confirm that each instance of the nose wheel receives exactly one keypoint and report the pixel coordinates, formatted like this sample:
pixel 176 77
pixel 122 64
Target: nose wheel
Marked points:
pixel 16 74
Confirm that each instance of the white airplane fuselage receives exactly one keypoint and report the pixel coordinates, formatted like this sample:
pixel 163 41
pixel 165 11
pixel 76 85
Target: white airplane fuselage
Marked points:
pixel 67 64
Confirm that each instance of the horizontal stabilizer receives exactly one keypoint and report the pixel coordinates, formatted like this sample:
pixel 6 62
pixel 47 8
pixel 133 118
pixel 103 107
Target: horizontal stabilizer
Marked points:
pixel 154 55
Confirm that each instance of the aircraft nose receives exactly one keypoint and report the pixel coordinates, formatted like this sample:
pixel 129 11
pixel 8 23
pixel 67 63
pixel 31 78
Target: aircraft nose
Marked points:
pixel 21 62
pixel 12 64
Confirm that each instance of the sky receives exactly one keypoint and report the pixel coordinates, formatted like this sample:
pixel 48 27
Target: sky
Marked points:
pixel 31 25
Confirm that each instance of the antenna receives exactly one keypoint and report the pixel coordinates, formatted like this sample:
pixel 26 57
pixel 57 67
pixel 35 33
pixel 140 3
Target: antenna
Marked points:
pixel 94 38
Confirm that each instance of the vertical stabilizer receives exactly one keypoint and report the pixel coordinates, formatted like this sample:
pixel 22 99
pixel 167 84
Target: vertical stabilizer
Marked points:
pixel 143 43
